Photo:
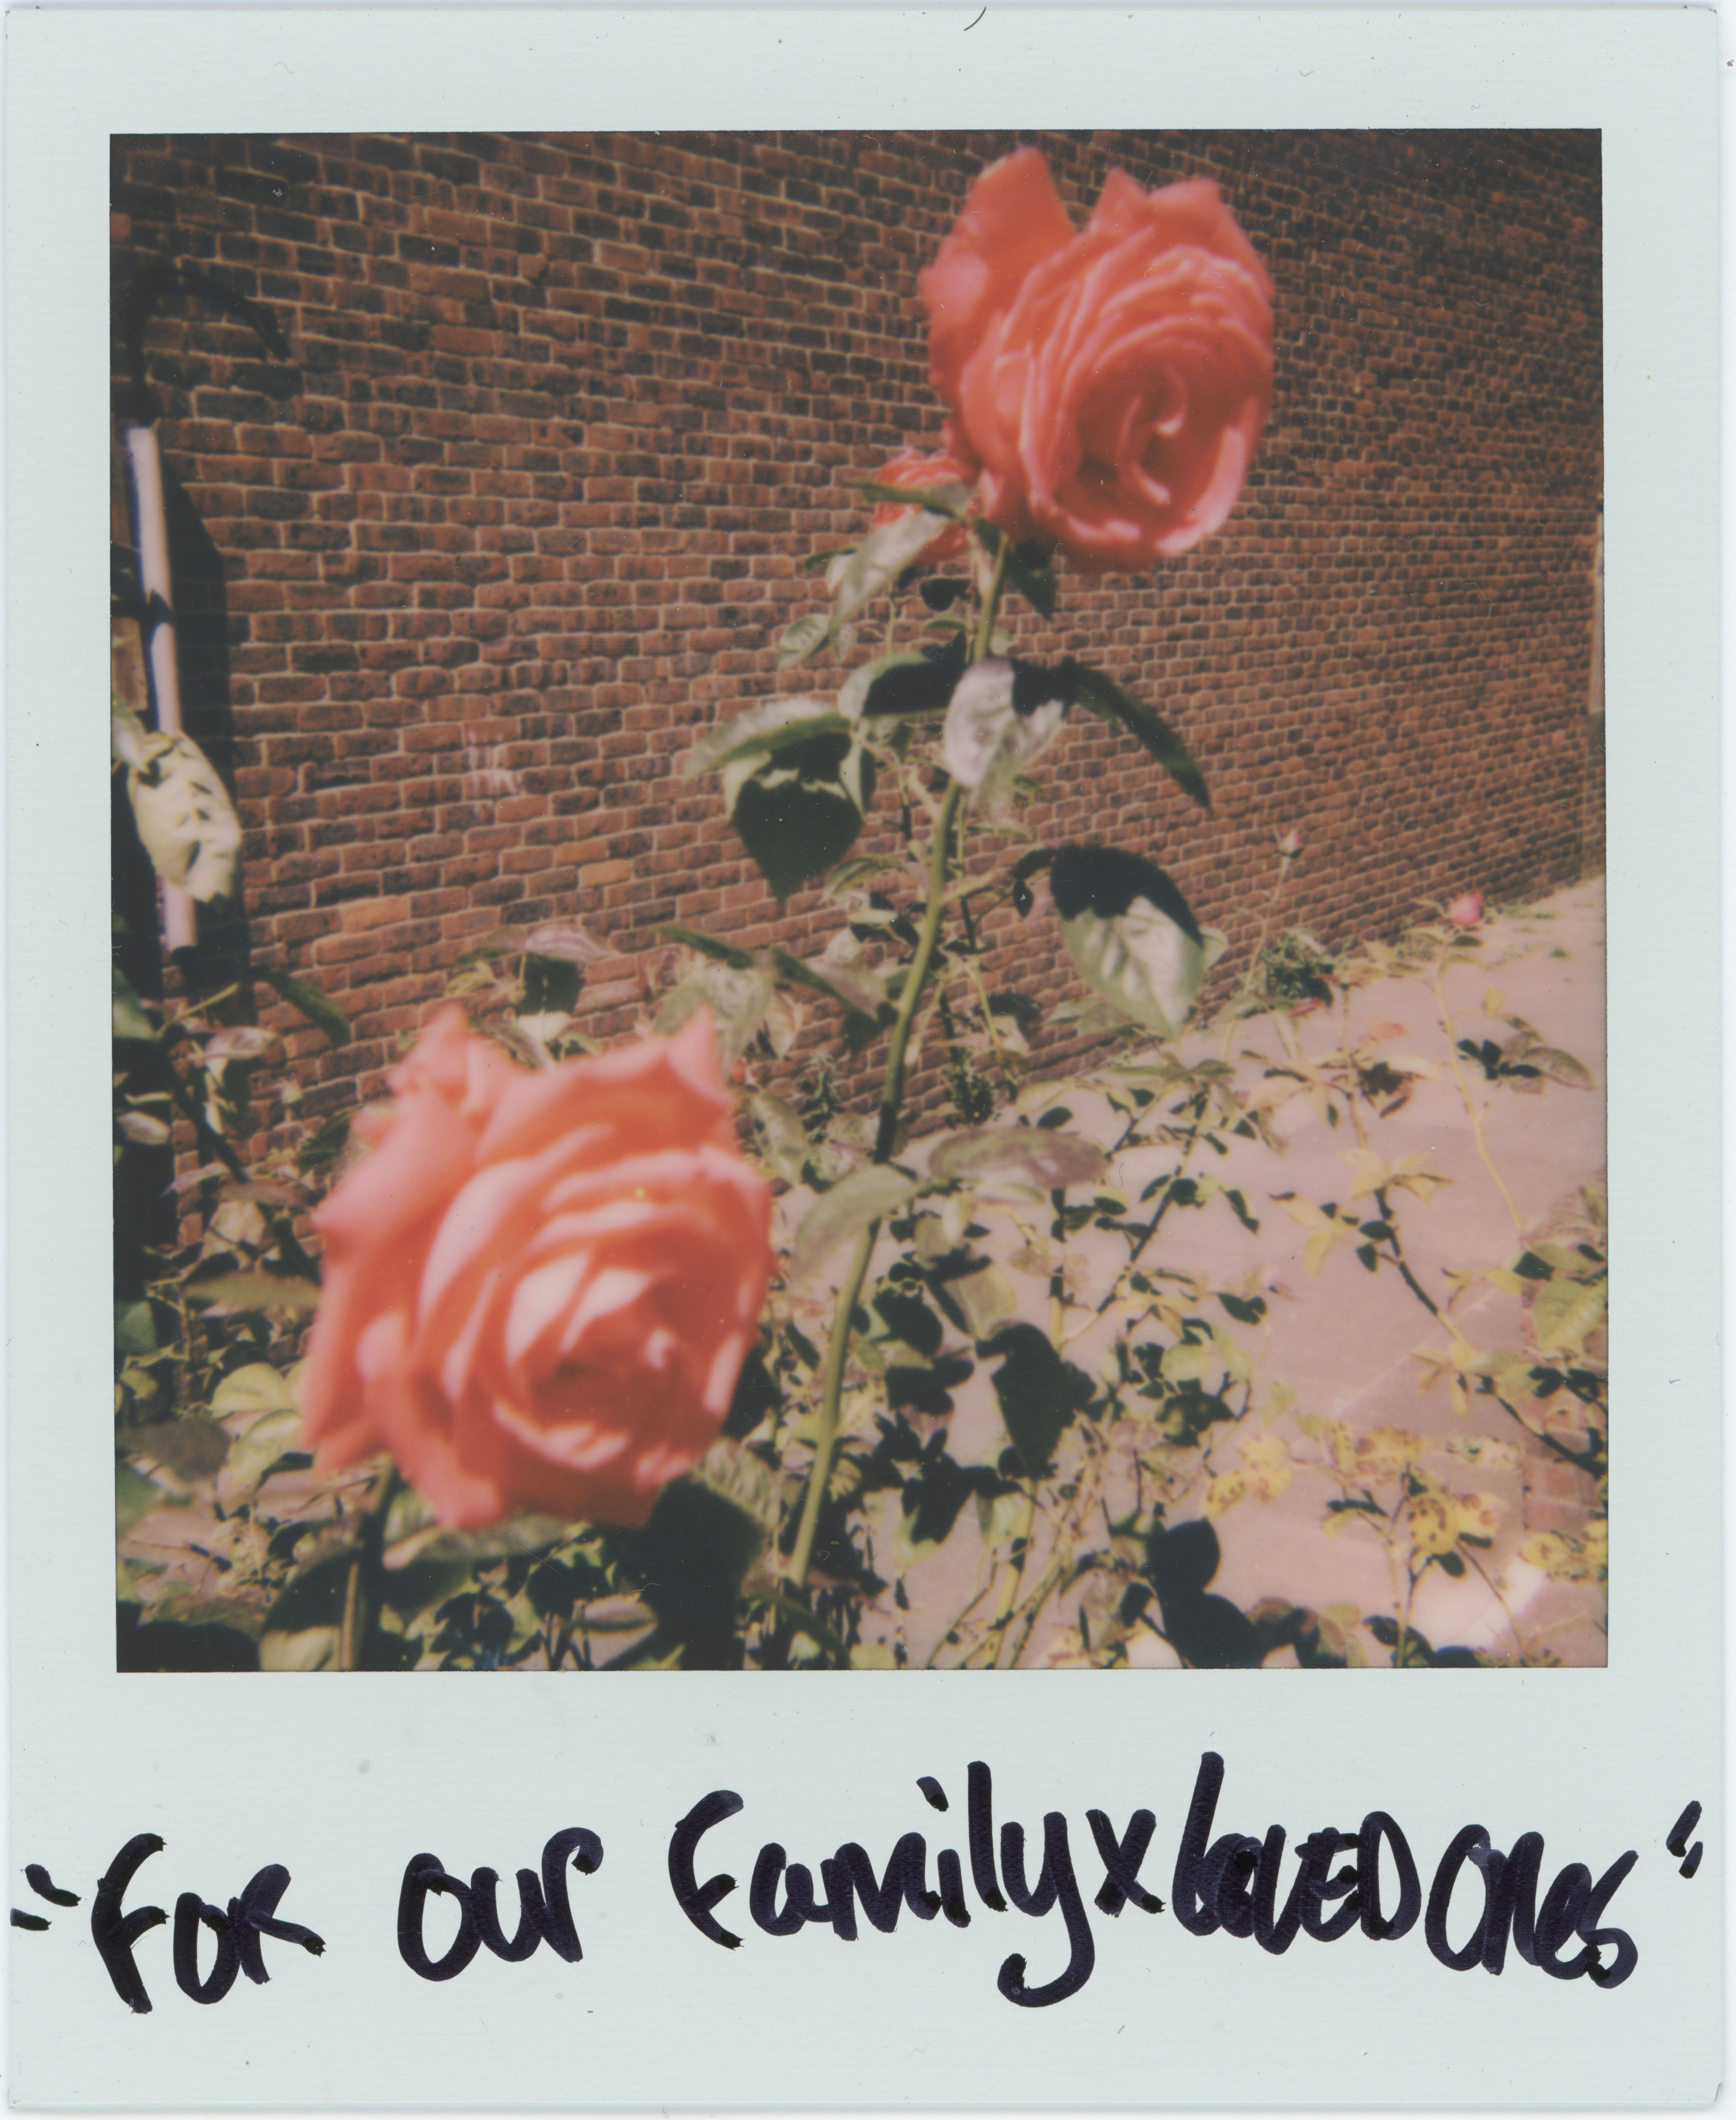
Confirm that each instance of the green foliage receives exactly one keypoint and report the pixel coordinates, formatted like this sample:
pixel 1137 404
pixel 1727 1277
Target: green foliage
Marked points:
pixel 992 1361
pixel 186 822
pixel 1293 967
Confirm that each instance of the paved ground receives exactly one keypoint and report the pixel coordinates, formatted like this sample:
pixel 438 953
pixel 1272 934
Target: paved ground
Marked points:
pixel 1346 1340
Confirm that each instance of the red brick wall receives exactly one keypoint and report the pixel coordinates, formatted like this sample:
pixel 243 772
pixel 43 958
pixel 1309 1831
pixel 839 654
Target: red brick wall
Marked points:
pixel 460 581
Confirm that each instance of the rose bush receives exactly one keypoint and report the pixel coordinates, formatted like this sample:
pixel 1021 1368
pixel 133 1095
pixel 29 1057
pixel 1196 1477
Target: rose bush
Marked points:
pixel 1112 382
pixel 925 472
pixel 539 1286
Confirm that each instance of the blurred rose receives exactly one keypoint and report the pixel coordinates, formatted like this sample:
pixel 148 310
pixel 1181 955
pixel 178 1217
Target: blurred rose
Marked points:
pixel 1112 382
pixel 926 473
pixel 1467 911
pixel 539 1287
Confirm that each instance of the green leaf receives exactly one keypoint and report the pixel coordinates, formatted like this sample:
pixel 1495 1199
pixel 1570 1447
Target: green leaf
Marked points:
pixel 314 1598
pixel 271 1437
pixel 1130 933
pixel 129 1018
pixel 817 563
pixel 528 1533
pixel 1101 695
pixel 257 1389
pixel 192 1447
pixel 850 875
pixel 984 1299
pixel 314 1649
pixel 255 1291
pixel 951 501
pixel 325 1144
pixel 135 1496
pixel 1039 1393
pixel 866 1196
pixel 882 556
pixel 801 639
pixel 909 682
pixel 1190 1362
pixel 859 991
pixel 762 731
pixel 708 945
pixel 185 820
pixel 786 1146
pixel 737 1001
pixel 1562 1314
pixel 135 1328
pixel 1038 1158
pixel 1001 717
pixel 551 985
pixel 1559 1067
pixel 565 939
pixel 323 1014
pixel 799 811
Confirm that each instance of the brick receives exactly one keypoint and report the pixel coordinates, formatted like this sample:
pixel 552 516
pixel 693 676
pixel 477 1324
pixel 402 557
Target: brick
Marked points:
pixel 366 913
pixel 572 410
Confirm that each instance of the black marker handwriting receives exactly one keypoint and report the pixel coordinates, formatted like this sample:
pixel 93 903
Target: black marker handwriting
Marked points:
pixel 545 1910
pixel 1222 1881
pixel 1231 1884
pixel 44 1887
pixel 238 1930
pixel 781 1899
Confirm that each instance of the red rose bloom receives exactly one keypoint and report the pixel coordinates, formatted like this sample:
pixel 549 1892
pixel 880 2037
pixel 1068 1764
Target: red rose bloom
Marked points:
pixel 539 1287
pixel 1112 382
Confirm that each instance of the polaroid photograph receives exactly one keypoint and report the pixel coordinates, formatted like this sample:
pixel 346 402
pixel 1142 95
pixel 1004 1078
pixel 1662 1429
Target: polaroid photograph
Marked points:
pixel 884 1015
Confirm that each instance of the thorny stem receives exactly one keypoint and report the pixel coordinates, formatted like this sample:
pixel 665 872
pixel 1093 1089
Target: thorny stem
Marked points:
pixel 1163 1207
pixel 832 1391
pixel 1063 1568
pixel 1012 1578
pixel 948 1638
pixel 1450 1024
pixel 891 1100
pixel 1396 1253
pixel 891 1097
pixel 361 1585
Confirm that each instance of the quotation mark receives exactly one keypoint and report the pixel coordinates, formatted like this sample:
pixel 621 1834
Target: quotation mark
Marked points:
pixel 1677 1844
pixel 43 1886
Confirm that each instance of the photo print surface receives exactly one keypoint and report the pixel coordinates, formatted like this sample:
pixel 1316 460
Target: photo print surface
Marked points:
pixel 858 901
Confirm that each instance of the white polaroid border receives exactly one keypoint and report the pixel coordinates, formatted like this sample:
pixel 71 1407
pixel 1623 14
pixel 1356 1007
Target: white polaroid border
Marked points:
pixel 343 1783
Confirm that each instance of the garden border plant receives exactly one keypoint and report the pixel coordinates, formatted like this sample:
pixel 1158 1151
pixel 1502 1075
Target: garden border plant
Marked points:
pixel 560 1422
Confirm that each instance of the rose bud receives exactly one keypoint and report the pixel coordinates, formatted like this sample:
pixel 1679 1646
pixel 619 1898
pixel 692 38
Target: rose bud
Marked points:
pixel 1467 911
pixel 539 1287
pixel 1112 382
pixel 926 473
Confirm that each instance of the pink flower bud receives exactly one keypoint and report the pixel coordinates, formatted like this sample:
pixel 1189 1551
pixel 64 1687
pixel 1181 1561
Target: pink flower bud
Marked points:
pixel 1467 911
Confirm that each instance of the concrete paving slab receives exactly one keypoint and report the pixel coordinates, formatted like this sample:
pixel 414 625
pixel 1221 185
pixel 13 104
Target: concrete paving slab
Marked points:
pixel 1346 1340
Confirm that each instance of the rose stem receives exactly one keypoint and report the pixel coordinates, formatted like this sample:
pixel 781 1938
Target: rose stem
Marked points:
pixel 361 1583
pixel 1449 1024
pixel 837 1351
